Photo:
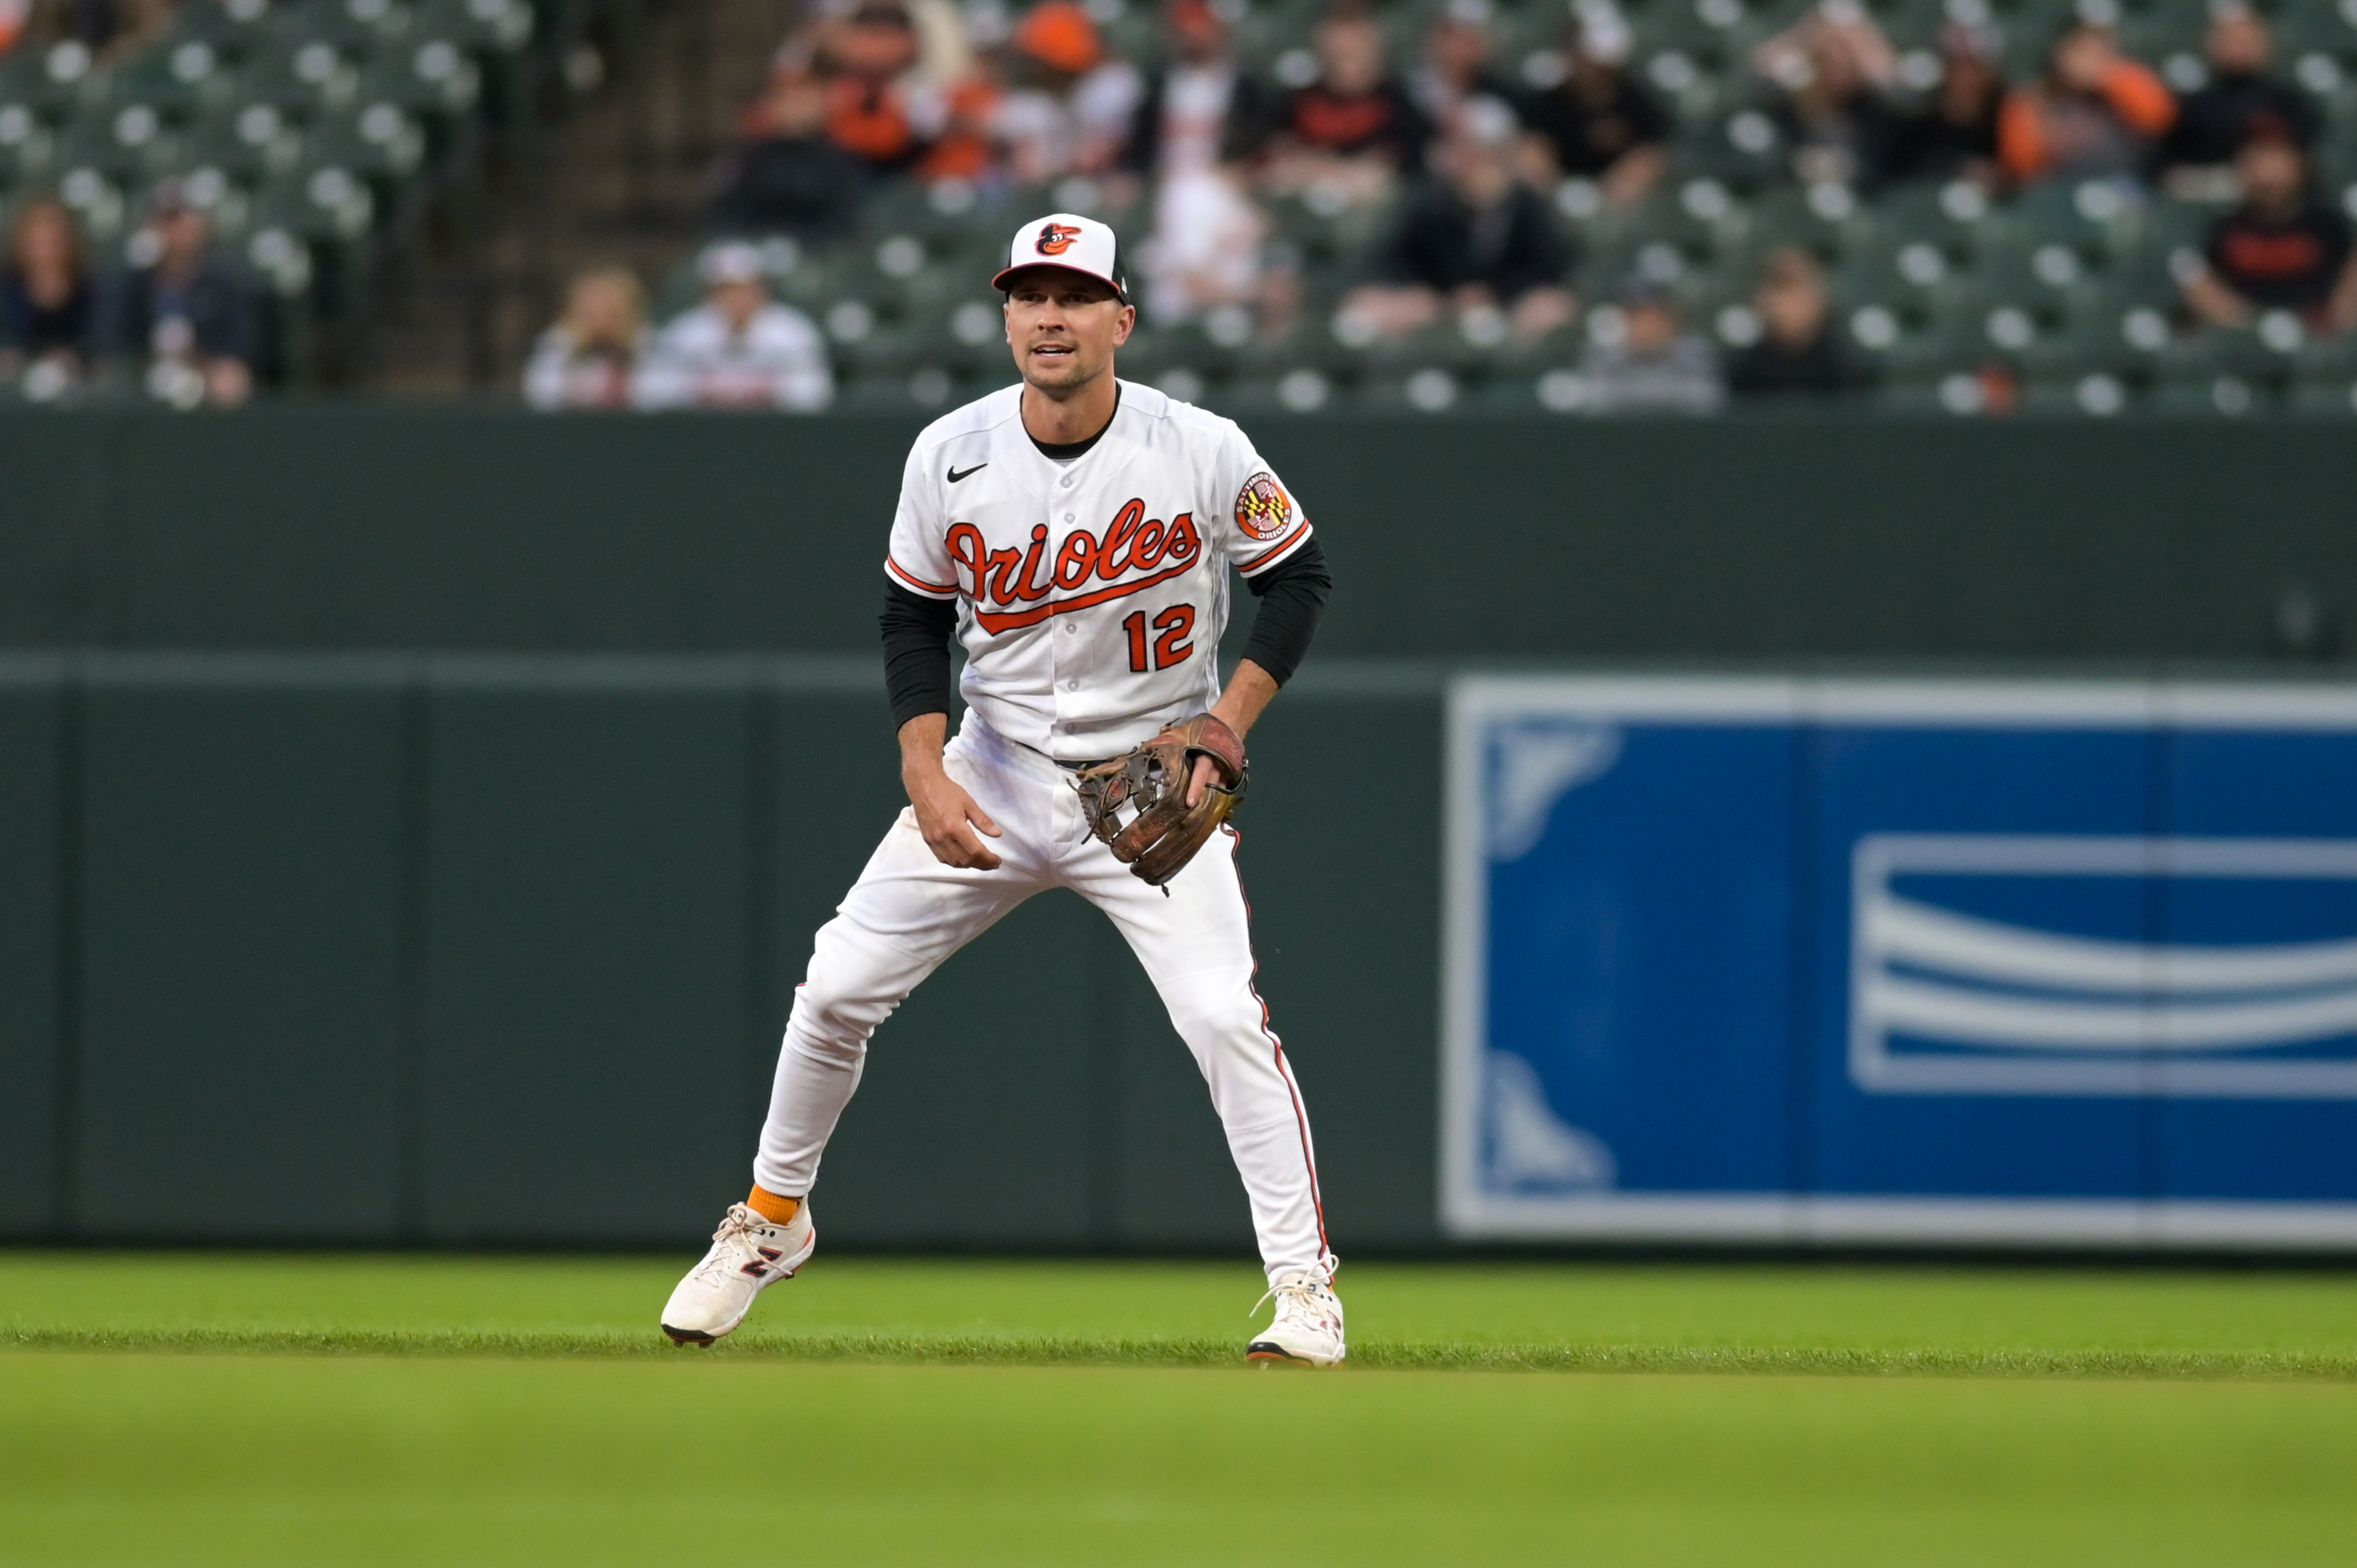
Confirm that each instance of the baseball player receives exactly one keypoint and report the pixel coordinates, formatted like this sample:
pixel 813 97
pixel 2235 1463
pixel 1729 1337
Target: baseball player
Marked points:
pixel 1075 532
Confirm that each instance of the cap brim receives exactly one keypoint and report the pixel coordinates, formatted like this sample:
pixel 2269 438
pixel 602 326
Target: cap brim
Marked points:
pixel 999 282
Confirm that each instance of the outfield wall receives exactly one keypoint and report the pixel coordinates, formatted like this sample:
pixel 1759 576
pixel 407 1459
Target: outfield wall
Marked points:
pixel 484 951
pixel 356 528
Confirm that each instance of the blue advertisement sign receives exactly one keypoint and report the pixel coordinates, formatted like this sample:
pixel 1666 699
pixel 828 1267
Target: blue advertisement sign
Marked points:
pixel 1909 962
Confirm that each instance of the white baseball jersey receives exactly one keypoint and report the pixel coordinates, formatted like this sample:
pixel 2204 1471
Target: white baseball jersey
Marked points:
pixel 1090 594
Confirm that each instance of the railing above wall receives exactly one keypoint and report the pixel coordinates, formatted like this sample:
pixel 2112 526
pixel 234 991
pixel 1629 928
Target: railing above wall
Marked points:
pixel 352 526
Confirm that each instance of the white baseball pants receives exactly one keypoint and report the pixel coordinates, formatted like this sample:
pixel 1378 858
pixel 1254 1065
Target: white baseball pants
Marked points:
pixel 908 912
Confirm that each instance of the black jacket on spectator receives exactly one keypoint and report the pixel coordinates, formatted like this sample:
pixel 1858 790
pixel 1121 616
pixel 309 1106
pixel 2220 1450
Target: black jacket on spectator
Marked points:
pixel 2291 265
pixel 2213 124
pixel 1930 145
pixel 1250 111
pixel 33 329
pixel 1591 135
pixel 216 304
pixel 1381 120
pixel 1512 247
pixel 803 185
pixel 1865 128
pixel 1771 368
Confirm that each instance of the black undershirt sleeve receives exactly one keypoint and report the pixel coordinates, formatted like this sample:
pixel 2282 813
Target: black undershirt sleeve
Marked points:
pixel 917 632
pixel 1292 596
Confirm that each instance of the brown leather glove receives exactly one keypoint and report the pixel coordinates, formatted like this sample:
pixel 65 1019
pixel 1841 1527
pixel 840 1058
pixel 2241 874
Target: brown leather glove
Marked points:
pixel 1165 832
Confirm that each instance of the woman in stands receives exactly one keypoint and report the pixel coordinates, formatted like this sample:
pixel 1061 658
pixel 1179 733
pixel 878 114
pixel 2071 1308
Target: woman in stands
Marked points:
pixel 48 300
pixel 587 360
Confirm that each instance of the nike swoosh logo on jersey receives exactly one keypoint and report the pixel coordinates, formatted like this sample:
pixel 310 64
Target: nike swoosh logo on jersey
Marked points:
pixel 955 474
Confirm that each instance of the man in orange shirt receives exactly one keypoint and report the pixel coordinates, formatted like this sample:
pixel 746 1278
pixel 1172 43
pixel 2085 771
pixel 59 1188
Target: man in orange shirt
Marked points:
pixel 2096 114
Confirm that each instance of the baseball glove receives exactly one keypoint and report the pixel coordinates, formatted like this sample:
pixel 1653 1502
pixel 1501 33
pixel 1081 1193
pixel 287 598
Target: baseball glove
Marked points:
pixel 1164 832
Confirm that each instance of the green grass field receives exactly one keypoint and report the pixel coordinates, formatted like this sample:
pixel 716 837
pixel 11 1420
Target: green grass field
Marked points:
pixel 276 1410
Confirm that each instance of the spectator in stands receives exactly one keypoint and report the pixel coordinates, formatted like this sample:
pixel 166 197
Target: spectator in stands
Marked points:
pixel 590 359
pixel 1353 131
pixel 1642 360
pixel 965 140
pixel 48 300
pixel 1599 122
pixel 1480 240
pixel 1200 109
pixel 2282 249
pixel 790 175
pixel 1834 68
pixel 1799 352
pixel 184 318
pixel 15 16
pixel 1954 137
pixel 869 54
pixel 2095 114
pixel 1455 65
pixel 738 349
pixel 1071 109
pixel 2240 100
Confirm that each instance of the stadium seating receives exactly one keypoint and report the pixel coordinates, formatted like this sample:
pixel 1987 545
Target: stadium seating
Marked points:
pixel 2064 302
pixel 311 131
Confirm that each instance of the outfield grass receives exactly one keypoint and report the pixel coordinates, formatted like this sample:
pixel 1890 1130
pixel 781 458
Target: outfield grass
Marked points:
pixel 163 1411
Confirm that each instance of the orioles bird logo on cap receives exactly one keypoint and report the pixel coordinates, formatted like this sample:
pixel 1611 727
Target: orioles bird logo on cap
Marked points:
pixel 1055 238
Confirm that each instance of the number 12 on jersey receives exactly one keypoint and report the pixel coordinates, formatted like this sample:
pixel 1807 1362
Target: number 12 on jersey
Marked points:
pixel 1169 647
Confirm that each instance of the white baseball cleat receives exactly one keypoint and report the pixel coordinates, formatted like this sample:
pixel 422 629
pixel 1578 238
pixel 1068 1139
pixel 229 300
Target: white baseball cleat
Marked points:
pixel 748 1255
pixel 1309 1328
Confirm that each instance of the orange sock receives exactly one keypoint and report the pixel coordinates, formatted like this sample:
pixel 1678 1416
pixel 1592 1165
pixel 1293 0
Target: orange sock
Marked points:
pixel 771 1206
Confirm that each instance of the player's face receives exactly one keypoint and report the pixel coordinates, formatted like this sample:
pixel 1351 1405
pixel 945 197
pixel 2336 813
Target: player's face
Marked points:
pixel 1063 326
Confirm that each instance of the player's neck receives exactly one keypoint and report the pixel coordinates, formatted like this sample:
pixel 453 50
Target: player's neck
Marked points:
pixel 1059 422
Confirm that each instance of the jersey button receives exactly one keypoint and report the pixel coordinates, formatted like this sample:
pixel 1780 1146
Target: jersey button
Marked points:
pixel 1071 685
pixel 1067 517
pixel 1068 485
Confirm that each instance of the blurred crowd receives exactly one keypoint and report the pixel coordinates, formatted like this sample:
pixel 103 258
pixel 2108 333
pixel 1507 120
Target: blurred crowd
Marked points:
pixel 1476 181
pixel 177 318
pixel 1491 201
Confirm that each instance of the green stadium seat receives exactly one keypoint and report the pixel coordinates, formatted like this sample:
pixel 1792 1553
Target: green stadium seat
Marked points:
pixel 489 27
pixel 299 76
pixel 2092 394
pixel 1744 150
pixel 432 78
pixel 2319 26
pixel 1954 395
pixel 51 82
pixel 1828 220
pixel 26 146
pixel 179 79
pixel 1432 390
pixel 246 144
pixel 2330 357
pixel 117 145
pixel 2336 399
pixel 233 31
pixel 2222 396
pixel 380 142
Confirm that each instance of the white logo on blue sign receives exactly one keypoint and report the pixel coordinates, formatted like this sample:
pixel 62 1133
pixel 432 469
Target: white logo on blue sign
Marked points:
pixel 1997 964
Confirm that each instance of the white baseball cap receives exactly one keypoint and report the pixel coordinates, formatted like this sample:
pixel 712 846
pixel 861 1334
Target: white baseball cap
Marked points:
pixel 1069 241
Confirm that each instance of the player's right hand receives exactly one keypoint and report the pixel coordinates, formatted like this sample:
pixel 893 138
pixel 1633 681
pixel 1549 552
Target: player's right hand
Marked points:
pixel 948 817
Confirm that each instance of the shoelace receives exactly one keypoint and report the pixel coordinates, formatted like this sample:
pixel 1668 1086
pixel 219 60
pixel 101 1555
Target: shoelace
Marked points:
pixel 736 1226
pixel 1294 1296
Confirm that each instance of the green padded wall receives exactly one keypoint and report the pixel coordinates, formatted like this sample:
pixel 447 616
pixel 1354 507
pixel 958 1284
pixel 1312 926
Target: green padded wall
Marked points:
pixel 588 899
pixel 368 528
pixel 32 1025
pixel 241 872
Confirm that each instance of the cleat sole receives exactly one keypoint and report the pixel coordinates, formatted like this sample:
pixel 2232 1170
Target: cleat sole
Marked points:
pixel 1262 1354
